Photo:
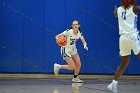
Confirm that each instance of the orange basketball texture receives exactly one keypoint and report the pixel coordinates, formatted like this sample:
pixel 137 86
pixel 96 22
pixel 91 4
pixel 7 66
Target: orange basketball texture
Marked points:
pixel 61 40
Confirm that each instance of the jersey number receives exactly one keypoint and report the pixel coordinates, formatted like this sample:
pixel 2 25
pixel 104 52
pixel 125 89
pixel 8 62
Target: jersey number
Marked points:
pixel 124 15
pixel 72 42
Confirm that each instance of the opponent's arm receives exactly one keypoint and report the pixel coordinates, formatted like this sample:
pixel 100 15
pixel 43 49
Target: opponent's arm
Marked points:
pixel 136 9
pixel 115 12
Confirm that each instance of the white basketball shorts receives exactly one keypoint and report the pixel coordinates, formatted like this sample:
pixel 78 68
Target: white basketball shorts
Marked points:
pixel 128 43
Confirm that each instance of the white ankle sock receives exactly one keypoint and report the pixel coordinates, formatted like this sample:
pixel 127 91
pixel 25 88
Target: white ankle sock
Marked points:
pixel 114 81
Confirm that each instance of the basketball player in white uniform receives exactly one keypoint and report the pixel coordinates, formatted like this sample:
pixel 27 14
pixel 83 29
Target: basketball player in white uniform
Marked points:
pixel 129 38
pixel 69 52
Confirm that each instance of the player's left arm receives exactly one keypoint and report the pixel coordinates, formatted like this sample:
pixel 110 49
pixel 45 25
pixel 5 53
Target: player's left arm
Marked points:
pixel 84 42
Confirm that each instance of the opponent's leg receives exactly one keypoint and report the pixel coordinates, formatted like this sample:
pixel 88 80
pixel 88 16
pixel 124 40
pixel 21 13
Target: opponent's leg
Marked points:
pixel 119 72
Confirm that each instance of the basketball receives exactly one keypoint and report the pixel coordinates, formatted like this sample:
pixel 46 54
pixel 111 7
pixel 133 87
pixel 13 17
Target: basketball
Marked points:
pixel 61 40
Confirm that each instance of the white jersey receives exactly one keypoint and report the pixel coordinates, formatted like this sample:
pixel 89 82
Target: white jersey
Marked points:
pixel 71 38
pixel 127 21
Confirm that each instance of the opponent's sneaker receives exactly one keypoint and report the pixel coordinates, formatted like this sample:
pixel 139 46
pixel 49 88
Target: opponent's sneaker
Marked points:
pixel 113 87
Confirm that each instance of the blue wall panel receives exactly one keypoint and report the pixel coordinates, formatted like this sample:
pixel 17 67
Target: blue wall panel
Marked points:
pixel 54 24
pixel 33 54
pixel 30 26
pixel 103 42
pixel 12 37
pixel 1 13
pixel 134 66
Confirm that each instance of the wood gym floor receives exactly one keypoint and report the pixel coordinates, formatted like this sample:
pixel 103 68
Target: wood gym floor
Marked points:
pixel 41 83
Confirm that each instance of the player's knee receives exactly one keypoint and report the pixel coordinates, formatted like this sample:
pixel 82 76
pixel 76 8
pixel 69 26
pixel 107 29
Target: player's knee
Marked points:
pixel 72 67
pixel 78 65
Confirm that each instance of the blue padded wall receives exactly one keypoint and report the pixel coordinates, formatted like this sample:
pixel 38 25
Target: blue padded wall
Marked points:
pixel 12 34
pixel 28 29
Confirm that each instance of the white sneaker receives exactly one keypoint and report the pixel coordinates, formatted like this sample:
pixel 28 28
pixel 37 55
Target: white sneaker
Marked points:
pixel 77 80
pixel 56 69
pixel 113 87
pixel 110 87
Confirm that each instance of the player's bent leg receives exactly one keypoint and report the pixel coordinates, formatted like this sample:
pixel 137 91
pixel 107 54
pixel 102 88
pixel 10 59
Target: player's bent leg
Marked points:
pixel 70 66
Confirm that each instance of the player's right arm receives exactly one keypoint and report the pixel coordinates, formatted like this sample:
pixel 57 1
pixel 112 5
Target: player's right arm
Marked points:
pixel 115 11
pixel 136 9
pixel 65 33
